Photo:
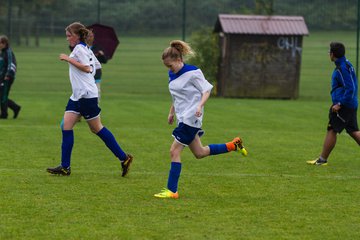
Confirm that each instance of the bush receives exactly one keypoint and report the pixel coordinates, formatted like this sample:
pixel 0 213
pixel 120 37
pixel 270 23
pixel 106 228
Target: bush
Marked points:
pixel 206 46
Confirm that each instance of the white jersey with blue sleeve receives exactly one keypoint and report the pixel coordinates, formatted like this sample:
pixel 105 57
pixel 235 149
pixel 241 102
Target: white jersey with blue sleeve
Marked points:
pixel 186 88
pixel 82 83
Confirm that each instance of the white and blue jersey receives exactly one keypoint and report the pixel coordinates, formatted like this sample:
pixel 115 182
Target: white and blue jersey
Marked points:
pixel 82 83
pixel 186 88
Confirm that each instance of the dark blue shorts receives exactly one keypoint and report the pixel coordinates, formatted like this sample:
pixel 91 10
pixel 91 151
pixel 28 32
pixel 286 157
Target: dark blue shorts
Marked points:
pixel 185 134
pixel 87 107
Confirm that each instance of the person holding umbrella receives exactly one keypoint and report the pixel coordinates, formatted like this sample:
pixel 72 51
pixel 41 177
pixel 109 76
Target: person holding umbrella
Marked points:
pixel 100 55
pixel 83 101
pixel 105 39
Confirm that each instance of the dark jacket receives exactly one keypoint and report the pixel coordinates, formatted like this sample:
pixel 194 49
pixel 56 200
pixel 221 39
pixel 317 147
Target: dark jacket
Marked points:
pixel 7 64
pixel 100 58
pixel 96 50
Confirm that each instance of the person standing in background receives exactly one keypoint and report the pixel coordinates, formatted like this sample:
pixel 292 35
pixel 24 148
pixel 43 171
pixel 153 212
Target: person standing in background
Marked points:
pixel 7 78
pixel 100 55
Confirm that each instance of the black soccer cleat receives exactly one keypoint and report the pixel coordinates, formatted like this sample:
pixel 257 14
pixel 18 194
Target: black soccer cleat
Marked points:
pixel 16 112
pixel 59 170
pixel 126 165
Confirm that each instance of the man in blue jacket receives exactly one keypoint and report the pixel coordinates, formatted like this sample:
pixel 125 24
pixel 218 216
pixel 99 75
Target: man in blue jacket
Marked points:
pixel 343 112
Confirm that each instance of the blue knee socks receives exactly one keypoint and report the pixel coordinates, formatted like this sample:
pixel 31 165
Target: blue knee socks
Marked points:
pixel 66 147
pixel 218 149
pixel 174 175
pixel 111 143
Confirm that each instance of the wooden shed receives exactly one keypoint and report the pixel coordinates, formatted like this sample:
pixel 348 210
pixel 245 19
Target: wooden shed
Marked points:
pixel 260 55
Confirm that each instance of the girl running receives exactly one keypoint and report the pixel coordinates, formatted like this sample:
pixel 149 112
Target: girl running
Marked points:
pixel 83 101
pixel 190 91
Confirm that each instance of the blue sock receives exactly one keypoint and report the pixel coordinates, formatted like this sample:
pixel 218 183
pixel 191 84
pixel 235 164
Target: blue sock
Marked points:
pixel 174 175
pixel 218 149
pixel 111 143
pixel 66 147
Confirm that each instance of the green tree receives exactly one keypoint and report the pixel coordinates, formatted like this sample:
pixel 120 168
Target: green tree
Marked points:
pixel 206 46
pixel 264 7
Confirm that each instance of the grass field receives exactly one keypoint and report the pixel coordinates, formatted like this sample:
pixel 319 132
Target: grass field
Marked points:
pixel 271 194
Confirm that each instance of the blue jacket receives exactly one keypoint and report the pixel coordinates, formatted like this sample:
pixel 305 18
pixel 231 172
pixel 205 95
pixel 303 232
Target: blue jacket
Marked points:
pixel 344 86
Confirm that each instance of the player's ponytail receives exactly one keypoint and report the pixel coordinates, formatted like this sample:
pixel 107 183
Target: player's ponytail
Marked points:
pixel 177 49
pixel 83 34
pixel 78 29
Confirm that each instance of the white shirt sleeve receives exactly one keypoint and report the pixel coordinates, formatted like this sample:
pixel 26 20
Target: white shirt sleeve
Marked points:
pixel 200 82
pixel 80 55
pixel 97 63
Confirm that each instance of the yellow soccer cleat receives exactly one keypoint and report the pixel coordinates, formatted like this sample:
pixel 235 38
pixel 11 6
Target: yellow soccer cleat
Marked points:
pixel 243 151
pixel 239 146
pixel 166 193
pixel 317 161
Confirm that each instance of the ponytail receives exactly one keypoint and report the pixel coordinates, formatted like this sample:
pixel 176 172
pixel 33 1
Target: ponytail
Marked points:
pixel 78 29
pixel 177 49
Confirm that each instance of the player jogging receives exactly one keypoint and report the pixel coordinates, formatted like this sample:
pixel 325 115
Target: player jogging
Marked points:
pixel 190 91
pixel 83 101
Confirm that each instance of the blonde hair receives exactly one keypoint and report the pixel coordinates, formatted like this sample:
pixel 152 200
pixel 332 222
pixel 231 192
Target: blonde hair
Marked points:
pixel 79 29
pixel 177 49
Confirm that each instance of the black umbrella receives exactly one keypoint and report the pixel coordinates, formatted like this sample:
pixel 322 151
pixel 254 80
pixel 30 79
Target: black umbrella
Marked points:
pixel 105 38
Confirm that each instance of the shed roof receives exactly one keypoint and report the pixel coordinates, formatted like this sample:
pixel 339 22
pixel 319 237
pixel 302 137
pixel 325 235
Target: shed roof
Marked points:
pixel 261 25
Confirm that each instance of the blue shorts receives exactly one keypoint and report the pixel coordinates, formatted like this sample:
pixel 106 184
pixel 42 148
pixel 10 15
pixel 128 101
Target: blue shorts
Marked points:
pixel 185 134
pixel 87 107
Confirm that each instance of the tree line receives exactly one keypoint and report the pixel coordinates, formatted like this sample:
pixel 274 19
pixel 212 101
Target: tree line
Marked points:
pixel 159 17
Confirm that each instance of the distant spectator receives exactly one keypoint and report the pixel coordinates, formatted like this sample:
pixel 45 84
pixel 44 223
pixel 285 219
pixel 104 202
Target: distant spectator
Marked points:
pixel 100 55
pixel 7 78
pixel 343 111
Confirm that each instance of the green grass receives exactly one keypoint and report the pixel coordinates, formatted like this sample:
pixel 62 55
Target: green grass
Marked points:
pixel 272 194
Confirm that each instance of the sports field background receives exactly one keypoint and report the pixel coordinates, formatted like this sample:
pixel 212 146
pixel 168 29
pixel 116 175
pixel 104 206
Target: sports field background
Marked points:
pixel 271 194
